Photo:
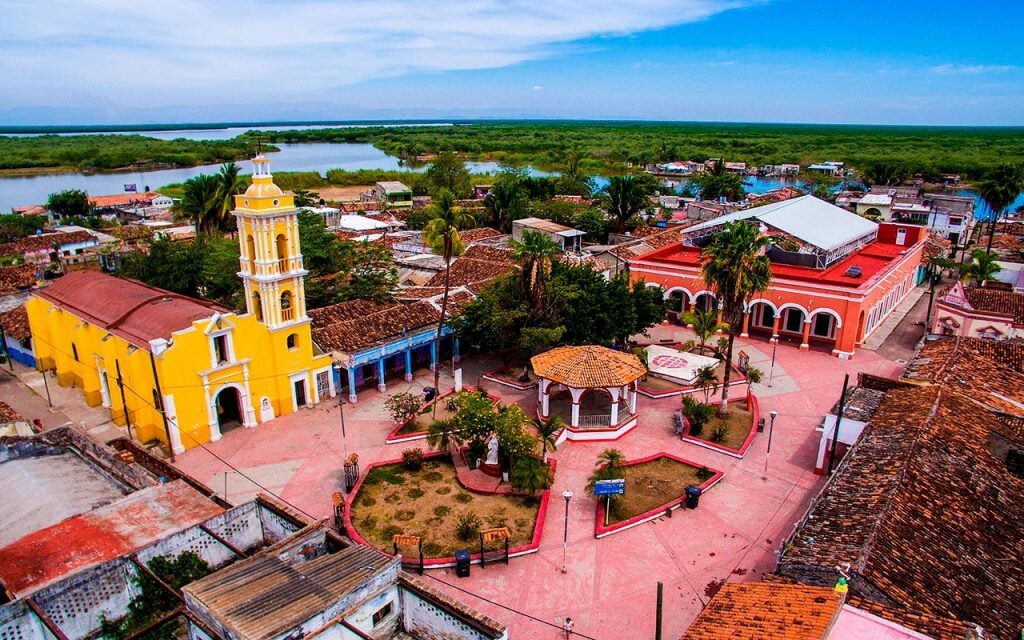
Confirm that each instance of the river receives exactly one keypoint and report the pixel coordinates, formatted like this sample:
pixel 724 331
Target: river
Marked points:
pixel 318 156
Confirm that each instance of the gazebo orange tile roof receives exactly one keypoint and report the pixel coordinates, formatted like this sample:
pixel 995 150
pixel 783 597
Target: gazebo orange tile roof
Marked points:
pixel 588 367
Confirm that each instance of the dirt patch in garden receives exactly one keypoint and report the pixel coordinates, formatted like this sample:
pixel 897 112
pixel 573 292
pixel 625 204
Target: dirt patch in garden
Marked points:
pixel 737 425
pixel 512 373
pixel 650 485
pixel 428 503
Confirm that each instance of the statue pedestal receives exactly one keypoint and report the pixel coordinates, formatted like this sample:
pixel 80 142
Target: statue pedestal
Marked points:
pixel 493 470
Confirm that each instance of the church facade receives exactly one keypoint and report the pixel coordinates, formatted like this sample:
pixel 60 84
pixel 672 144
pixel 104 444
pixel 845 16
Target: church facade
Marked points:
pixel 183 371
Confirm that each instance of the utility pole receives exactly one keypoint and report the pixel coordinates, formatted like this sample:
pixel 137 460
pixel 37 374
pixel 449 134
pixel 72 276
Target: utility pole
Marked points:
pixel 657 615
pixel 839 418
pixel 46 385
pixel 124 402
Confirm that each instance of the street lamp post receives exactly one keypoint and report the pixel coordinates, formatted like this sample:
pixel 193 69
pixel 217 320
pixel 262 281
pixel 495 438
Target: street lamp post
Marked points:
pixel 771 376
pixel 771 429
pixel 565 534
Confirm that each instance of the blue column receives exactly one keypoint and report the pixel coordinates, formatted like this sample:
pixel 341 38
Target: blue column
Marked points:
pixel 455 349
pixel 408 364
pixel 352 397
pixel 433 355
pixel 381 385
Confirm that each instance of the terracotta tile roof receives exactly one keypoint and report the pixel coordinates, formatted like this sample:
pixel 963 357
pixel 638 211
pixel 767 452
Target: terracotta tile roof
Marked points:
pixel 925 513
pixel 124 200
pixel 131 310
pixel 988 371
pixel 1003 302
pixel 30 210
pixel 418 293
pixel 132 233
pixel 8 414
pixel 479 263
pixel 937 627
pixel 470 236
pixel 767 611
pixel 44 242
pixel 15 323
pixel 351 326
pixel 588 366
pixel 17 278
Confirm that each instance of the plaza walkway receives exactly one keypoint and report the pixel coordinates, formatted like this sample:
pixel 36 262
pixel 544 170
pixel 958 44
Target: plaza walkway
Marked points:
pixel 610 584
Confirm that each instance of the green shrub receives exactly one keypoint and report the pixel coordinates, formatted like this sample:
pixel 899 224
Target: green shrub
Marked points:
pixel 467 525
pixel 464 498
pixel 431 549
pixel 704 473
pixel 432 476
pixel 369 523
pixel 405 515
pixel 697 413
pixel 392 498
pixel 443 491
pixel 719 433
pixel 391 529
pixel 367 501
pixel 415 492
pixel 442 510
pixel 384 474
pixel 412 459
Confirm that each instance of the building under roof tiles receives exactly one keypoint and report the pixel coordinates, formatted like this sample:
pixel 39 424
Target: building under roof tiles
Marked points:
pixel 17 278
pixel 985 312
pixel 767 611
pixel 925 508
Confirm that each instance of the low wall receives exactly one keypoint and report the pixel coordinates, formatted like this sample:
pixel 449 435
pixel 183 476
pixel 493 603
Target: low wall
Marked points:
pixel 755 409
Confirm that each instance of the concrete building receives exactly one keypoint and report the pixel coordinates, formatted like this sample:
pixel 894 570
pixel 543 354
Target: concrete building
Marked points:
pixel 392 194
pixel 835 275
pixel 979 312
pixel 567 238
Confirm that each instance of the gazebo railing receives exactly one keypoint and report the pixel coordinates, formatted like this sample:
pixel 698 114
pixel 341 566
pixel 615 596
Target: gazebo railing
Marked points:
pixel 595 421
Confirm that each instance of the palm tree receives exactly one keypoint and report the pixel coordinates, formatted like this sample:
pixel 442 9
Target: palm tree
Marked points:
pixel 229 183
pixel 199 202
pixel 441 234
pixel 546 429
pixel 625 197
pixel 754 376
pixel 735 265
pixel 505 201
pixel 706 381
pixel 530 475
pixel 705 325
pixel 981 268
pixel 537 254
pixel 442 435
pixel 607 467
pixel 999 188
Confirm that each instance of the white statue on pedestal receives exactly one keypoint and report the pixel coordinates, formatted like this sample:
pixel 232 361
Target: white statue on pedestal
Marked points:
pixel 492 451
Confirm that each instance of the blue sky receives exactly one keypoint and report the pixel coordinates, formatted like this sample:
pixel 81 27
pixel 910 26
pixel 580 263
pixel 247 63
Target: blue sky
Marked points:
pixel 890 62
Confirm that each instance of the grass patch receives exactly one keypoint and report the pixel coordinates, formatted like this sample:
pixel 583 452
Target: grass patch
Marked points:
pixel 435 515
pixel 734 428
pixel 650 485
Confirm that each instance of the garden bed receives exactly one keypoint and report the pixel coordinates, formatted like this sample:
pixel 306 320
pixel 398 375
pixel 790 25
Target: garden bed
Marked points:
pixel 655 387
pixel 740 428
pixel 390 499
pixel 416 429
pixel 508 375
pixel 655 486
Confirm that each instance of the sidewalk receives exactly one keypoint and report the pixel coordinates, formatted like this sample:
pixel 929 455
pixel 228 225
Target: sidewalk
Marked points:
pixel 890 324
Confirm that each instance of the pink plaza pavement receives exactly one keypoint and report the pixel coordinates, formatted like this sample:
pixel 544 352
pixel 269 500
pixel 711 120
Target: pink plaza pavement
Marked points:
pixel 610 584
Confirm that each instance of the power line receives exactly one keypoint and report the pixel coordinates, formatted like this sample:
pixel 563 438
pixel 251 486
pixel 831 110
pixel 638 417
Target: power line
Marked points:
pixel 508 608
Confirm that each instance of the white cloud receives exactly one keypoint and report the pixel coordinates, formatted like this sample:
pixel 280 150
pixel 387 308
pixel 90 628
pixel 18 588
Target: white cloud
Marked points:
pixel 972 69
pixel 151 53
pixel 537 87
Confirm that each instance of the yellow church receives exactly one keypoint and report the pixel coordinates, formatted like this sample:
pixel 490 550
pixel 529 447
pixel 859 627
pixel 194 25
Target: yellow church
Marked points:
pixel 185 370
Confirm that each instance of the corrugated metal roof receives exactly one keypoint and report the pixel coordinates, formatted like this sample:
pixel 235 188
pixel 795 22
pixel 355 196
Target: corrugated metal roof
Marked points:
pixel 814 221
pixel 264 596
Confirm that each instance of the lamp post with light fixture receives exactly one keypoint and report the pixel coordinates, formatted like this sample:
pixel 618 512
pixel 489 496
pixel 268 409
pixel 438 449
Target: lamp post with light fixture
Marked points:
pixel 771 429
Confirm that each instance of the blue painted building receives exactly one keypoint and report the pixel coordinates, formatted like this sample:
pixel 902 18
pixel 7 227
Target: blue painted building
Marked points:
pixel 17 337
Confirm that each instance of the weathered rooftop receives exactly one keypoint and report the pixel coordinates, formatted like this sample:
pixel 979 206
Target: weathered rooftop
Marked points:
pixel 15 323
pixel 265 595
pixel 861 404
pixel 88 539
pixel 767 611
pixel 357 324
pixel 17 278
pixel 1008 303
pixel 588 367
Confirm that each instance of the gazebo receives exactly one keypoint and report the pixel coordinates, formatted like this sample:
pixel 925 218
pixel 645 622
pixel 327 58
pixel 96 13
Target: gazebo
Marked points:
pixel 579 370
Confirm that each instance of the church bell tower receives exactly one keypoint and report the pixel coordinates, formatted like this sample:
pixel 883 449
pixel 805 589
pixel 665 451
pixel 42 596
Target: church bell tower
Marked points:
pixel 270 255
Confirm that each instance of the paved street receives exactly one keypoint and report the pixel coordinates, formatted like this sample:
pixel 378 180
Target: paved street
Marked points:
pixel 609 589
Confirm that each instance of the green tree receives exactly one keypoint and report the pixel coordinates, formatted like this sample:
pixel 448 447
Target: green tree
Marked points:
pixel 754 376
pixel 305 198
pixel 608 466
pixel 442 435
pixel 627 196
pixel 320 252
pixel 592 222
pixel 546 429
pixel 441 234
pixel 531 475
pixel 705 325
pixel 981 268
pixel 71 203
pixel 536 254
pixel 505 203
pixel 707 381
pixel 448 173
pixel 367 272
pixel 230 182
pixel 572 181
pixel 716 182
pixel 998 189
pixel 175 266
pixel 403 407
pixel 735 266
pixel 200 202
pixel 884 172
pixel 697 413
pixel 14 227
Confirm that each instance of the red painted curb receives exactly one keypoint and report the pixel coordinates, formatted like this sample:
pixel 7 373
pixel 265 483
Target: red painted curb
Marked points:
pixel 755 410
pixel 601 531
pixel 437 563
pixel 394 438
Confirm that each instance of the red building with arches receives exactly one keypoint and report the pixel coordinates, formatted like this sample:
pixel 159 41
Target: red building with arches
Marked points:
pixel 835 275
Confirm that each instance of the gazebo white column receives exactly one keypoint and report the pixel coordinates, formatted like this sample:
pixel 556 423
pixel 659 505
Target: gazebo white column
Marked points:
pixel 576 394
pixel 632 398
pixel 544 389
pixel 614 393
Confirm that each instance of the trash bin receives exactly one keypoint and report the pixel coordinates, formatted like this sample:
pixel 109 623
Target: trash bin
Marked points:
pixel 429 393
pixel 692 496
pixel 462 563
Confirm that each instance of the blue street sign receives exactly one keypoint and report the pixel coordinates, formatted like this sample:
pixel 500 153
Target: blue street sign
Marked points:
pixel 610 487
